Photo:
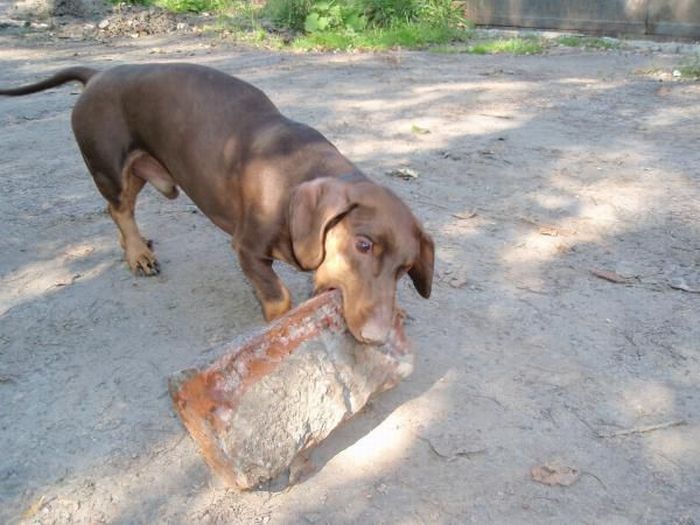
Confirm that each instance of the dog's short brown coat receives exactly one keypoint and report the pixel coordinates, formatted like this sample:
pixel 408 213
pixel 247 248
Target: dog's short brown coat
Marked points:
pixel 278 187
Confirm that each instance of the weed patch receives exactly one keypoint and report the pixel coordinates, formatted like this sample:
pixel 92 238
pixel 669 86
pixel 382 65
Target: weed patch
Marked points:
pixel 690 69
pixel 514 46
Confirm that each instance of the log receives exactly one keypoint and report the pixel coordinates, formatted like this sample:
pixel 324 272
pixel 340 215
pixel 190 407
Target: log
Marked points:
pixel 278 393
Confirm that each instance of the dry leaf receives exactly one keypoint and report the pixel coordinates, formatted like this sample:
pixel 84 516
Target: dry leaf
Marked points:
pixel 681 283
pixel 550 230
pixel 553 231
pixel 403 173
pixel 34 508
pixel 458 281
pixel 610 276
pixel 465 216
pixel 419 131
pixel 66 283
pixel 82 250
pixel 555 475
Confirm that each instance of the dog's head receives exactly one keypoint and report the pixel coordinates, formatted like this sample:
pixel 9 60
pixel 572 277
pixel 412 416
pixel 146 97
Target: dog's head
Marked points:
pixel 361 239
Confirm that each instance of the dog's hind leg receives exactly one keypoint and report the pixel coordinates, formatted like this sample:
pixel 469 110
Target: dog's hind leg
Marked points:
pixel 137 251
pixel 120 186
pixel 119 173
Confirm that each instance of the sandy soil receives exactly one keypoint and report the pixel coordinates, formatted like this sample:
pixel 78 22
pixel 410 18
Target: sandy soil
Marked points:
pixel 536 170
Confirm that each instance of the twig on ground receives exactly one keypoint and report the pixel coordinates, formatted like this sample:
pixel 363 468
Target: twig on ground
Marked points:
pixel 642 430
pixel 460 454
pixel 586 473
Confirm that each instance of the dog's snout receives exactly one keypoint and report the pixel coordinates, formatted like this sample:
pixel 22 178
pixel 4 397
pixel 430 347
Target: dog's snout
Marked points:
pixel 375 332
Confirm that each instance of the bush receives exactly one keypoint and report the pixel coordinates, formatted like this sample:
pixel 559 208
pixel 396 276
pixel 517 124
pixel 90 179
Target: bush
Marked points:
pixel 386 13
pixel 323 15
pixel 408 35
pixel 440 13
pixel 326 16
pixel 288 13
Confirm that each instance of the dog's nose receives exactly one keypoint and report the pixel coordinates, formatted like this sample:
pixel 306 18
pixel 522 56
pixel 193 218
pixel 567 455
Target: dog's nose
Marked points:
pixel 375 333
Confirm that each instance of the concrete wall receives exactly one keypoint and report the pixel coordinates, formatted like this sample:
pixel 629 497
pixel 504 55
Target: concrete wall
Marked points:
pixel 676 18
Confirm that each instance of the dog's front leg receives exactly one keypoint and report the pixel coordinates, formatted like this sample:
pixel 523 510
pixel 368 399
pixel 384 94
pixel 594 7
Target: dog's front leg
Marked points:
pixel 272 293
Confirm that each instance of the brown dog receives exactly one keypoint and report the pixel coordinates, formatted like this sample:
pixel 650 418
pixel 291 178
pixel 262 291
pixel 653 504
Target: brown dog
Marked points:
pixel 278 187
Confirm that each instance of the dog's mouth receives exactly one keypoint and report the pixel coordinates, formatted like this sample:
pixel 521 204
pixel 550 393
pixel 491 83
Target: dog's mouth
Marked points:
pixel 367 334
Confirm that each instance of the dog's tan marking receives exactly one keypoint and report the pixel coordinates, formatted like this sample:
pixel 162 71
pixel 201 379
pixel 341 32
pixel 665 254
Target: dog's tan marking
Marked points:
pixel 274 309
pixel 139 257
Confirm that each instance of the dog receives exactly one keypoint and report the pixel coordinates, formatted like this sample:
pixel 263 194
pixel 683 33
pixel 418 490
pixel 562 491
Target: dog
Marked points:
pixel 278 187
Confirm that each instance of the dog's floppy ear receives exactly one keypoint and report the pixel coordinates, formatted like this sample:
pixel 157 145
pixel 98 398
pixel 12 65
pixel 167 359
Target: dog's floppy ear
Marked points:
pixel 313 207
pixel 421 272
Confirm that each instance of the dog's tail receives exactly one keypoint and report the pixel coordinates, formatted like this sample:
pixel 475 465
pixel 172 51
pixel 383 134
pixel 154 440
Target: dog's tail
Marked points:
pixel 81 74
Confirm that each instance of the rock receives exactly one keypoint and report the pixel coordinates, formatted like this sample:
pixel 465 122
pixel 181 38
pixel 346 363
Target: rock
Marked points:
pixel 103 24
pixel 265 401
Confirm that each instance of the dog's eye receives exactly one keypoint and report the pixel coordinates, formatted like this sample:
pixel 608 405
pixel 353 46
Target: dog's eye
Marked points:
pixel 363 245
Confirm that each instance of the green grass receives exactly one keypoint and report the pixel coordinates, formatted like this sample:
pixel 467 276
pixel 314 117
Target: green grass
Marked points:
pixel 690 69
pixel 407 35
pixel 513 46
pixel 587 42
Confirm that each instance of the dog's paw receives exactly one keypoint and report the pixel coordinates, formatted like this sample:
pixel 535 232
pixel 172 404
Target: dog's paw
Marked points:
pixel 143 262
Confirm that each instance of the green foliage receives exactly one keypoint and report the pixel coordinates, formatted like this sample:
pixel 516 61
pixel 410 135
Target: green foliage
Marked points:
pixel 690 68
pixel 440 13
pixel 288 13
pixel 377 24
pixel 385 13
pixel 193 6
pixel 313 16
pixel 514 46
pixel 196 6
pixel 388 13
pixel 332 15
pixel 408 35
pixel 333 24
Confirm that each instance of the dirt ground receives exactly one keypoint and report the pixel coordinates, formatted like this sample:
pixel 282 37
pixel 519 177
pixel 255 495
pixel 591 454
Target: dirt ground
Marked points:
pixel 534 172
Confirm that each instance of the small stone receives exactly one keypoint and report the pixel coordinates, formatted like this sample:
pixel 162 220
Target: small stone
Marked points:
pixel 103 24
